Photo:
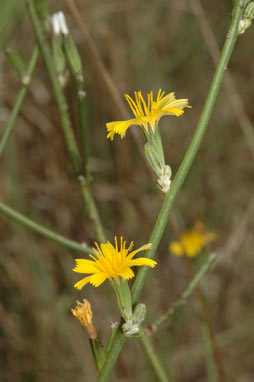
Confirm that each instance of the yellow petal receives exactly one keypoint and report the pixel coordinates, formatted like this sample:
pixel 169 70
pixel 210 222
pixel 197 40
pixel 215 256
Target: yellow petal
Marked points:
pixel 165 101
pixel 119 127
pixel 143 261
pixel 127 273
pixel 143 248
pixel 98 278
pixel 79 285
pixel 176 248
pixel 85 266
pixel 173 111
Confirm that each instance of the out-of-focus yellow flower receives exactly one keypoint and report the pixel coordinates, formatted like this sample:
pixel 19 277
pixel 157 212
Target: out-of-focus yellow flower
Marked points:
pixel 192 241
pixel 111 263
pixel 147 114
pixel 83 313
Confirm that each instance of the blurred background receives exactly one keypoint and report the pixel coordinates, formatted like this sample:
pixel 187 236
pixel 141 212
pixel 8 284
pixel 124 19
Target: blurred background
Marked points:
pixel 144 45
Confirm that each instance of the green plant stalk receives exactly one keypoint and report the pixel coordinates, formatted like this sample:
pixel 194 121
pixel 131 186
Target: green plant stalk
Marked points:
pixel 154 361
pixel 20 98
pixel 65 122
pixel 47 233
pixel 92 210
pixel 186 294
pixel 112 333
pixel 208 352
pixel 181 174
pixel 83 127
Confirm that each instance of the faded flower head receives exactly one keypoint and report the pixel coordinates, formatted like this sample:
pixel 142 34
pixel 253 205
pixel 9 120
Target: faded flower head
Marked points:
pixel 83 313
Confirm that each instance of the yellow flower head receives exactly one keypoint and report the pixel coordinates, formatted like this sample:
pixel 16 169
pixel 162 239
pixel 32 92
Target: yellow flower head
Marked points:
pixel 147 114
pixel 192 241
pixel 110 263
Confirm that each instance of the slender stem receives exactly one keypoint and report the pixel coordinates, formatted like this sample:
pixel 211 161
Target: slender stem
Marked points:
pixel 154 361
pixel 41 230
pixel 208 323
pixel 186 294
pixel 20 98
pixel 112 334
pixel 182 172
pixel 66 123
pixel 92 210
pixel 83 126
pixel 208 350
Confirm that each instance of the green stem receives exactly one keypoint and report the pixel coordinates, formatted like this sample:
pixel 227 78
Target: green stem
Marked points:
pixel 65 122
pixel 112 334
pixel 92 210
pixel 186 294
pixel 28 223
pixel 154 361
pixel 83 126
pixel 181 174
pixel 208 353
pixel 20 98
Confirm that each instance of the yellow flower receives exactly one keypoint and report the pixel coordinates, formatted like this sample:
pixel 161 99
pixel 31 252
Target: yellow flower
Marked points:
pixel 110 263
pixel 192 241
pixel 147 114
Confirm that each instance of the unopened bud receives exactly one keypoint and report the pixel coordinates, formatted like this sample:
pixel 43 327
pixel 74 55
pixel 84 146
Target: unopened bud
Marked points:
pixel 73 57
pixel 59 59
pixel 243 25
pixel 249 11
pixel 139 314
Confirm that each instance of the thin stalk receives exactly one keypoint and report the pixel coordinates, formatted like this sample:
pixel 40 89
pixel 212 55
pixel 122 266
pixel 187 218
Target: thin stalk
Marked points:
pixel 41 230
pixel 153 358
pixel 92 210
pixel 186 294
pixel 208 350
pixel 208 324
pixel 83 126
pixel 112 333
pixel 20 98
pixel 181 174
pixel 65 122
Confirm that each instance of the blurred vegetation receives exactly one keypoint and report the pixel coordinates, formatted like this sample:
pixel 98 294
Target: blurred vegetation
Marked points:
pixel 145 45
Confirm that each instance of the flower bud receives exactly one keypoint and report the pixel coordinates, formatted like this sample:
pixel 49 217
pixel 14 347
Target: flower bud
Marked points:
pixel 139 314
pixel 249 11
pixel 73 57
